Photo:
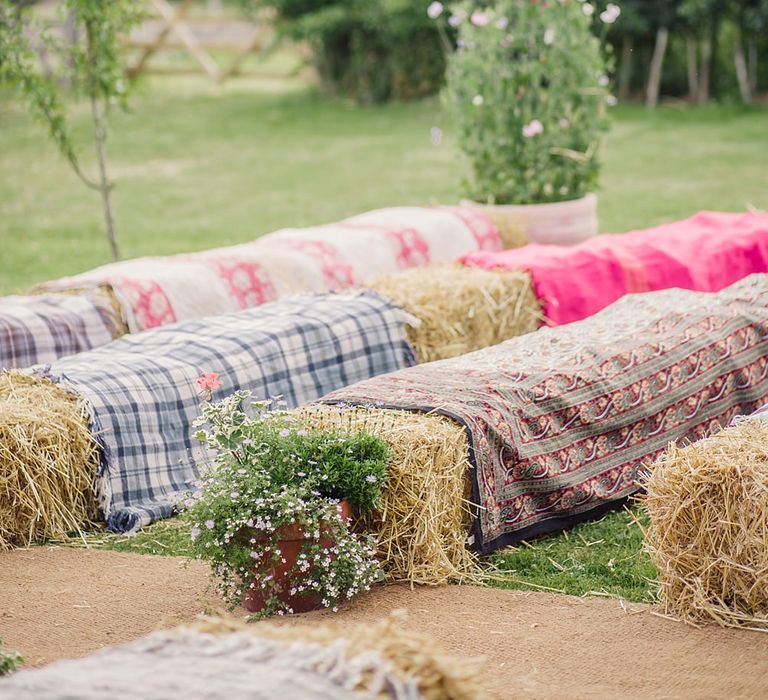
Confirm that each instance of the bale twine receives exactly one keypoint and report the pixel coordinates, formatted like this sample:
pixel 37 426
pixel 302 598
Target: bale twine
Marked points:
pixel 48 461
pixel 424 520
pixel 462 309
pixel 708 532
pixel 411 656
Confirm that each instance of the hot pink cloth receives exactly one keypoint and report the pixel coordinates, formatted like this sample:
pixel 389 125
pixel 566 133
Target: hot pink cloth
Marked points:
pixel 706 253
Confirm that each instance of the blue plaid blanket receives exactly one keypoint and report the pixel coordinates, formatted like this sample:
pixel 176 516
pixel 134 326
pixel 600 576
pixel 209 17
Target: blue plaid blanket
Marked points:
pixel 143 395
pixel 39 329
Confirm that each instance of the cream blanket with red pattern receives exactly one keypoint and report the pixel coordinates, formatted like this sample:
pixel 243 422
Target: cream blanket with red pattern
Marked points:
pixel 159 290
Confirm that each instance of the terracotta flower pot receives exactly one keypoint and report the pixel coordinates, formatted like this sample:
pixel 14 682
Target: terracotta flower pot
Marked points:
pixel 559 223
pixel 291 539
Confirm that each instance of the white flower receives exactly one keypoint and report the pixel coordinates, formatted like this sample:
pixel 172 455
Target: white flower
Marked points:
pixel 502 23
pixel 588 9
pixel 603 80
pixel 457 18
pixel 434 10
pixel 478 100
pixel 210 524
pixel 194 533
pixel 436 135
pixel 564 123
pixel 549 36
pixel 548 189
pixel 610 14
pixel 611 100
pixel 371 479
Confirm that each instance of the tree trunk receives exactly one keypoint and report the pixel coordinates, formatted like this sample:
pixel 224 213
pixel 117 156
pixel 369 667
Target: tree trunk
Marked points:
pixel 706 71
pixel 752 65
pixel 625 69
pixel 740 62
pixel 105 187
pixel 657 63
pixel 692 50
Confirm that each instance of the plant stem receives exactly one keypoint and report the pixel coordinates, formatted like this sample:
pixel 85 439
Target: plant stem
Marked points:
pixel 105 187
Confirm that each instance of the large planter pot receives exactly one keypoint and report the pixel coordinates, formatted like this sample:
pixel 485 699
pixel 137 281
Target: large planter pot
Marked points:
pixel 291 541
pixel 559 223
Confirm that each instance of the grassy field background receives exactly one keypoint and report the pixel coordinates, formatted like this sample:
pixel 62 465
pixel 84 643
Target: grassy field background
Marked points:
pixel 198 166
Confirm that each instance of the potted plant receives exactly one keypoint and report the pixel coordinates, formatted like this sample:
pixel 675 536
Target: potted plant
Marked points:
pixel 527 89
pixel 273 514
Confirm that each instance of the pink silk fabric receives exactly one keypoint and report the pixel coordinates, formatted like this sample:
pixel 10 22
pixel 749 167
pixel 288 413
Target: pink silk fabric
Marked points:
pixel 705 253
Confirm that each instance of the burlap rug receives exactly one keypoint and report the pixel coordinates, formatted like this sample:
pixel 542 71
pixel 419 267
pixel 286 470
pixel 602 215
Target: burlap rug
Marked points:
pixel 59 603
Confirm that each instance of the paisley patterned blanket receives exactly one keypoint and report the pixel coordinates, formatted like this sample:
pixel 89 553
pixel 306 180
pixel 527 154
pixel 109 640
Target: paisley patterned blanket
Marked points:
pixel 560 420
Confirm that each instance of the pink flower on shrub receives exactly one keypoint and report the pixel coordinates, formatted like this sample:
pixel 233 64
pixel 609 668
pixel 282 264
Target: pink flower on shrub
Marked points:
pixel 434 10
pixel 480 19
pixel 457 18
pixel 610 14
pixel 194 533
pixel 533 128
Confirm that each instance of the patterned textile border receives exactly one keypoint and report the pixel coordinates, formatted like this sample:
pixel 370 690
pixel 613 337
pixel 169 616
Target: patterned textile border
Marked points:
pixel 560 420
pixel 39 329
pixel 143 395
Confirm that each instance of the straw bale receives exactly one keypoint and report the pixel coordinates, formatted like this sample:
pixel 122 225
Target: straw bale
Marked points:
pixel 708 532
pixel 462 309
pixel 423 523
pixel 48 461
pixel 119 326
pixel 511 229
pixel 409 655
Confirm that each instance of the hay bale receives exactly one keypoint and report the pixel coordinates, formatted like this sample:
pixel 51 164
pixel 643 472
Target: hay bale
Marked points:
pixel 410 656
pixel 48 461
pixel 511 230
pixel 425 516
pixel 708 532
pixel 462 309
pixel 105 294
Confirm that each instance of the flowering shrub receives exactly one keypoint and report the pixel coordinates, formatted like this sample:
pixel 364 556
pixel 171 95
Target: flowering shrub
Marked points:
pixel 527 89
pixel 272 473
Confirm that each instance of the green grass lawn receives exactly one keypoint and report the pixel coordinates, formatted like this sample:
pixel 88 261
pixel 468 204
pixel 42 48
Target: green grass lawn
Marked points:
pixel 198 166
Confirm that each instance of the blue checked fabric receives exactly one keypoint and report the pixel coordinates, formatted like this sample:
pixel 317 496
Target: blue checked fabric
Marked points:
pixel 40 329
pixel 143 395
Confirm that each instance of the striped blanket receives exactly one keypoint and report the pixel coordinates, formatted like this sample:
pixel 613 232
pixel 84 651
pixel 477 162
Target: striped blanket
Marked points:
pixel 143 394
pixel 39 329
pixel 705 253
pixel 559 420
pixel 156 291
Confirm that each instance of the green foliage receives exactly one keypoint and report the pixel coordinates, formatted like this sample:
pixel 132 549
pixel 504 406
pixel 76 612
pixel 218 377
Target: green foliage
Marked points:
pixel 98 69
pixel 526 90
pixel 18 68
pixel 374 50
pixel 9 660
pixel 93 67
pixel 272 473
